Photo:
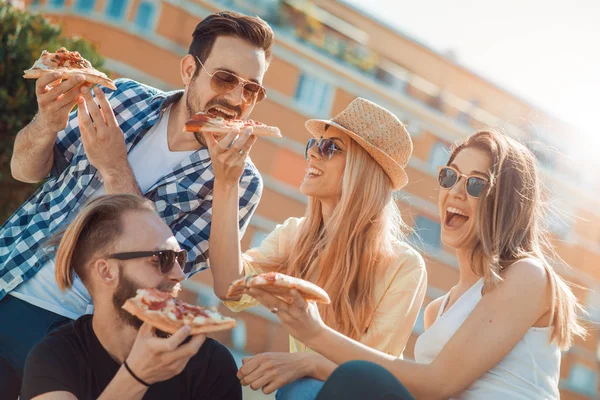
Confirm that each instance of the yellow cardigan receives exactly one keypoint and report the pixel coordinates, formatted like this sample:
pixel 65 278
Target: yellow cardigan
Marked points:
pixel 399 291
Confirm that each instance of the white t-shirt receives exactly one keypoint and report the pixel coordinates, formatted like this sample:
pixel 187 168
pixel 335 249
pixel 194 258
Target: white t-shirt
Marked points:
pixel 150 160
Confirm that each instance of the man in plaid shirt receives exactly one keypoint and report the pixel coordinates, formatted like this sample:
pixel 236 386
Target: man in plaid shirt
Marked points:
pixel 127 141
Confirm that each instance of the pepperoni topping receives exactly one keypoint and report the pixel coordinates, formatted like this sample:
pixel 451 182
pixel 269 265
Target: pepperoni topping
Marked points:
pixel 155 305
pixel 189 310
pixel 69 59
pixel 155 299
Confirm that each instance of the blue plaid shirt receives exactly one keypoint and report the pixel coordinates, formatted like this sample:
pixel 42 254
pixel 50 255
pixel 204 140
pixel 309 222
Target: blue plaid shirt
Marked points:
pixel 183 197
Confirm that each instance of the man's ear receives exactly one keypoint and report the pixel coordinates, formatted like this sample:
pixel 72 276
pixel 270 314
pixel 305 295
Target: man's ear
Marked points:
pixel 108 272
pixel 188 67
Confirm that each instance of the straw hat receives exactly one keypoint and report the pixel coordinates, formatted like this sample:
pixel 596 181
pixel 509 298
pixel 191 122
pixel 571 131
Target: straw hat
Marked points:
pixel 378 131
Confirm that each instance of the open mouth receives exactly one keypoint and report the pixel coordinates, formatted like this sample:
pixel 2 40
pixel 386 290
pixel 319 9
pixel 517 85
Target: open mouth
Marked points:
pixel 313 172
pixel 221 112
pixel 455 218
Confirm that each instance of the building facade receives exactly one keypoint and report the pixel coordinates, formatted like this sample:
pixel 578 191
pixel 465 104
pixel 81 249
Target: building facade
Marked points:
pixel 327 53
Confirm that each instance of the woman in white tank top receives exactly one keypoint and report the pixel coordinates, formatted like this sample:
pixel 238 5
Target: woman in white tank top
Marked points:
pixel 498 333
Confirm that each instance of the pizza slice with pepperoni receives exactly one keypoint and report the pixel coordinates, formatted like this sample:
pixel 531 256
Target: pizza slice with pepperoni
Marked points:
pixel 67 63
pixel 280 286
pixel 169 314
pixel 203 122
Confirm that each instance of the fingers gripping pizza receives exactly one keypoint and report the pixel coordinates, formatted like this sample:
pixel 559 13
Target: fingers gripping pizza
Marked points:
pixel 202 122
pixel 279 285
pixel 168 314
pixel 67 63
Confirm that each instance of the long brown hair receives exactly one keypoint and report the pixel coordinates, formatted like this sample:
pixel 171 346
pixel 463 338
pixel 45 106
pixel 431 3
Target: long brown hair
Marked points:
pixel 510 226
pixel 94 230
pixel 344 255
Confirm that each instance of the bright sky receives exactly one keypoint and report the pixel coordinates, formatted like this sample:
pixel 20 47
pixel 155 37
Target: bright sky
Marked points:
pixel 546 51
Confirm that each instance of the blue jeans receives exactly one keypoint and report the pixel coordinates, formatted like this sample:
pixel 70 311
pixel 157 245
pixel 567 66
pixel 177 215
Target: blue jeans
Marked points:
pixel 22 326
pixel 302 389
pixel 361 380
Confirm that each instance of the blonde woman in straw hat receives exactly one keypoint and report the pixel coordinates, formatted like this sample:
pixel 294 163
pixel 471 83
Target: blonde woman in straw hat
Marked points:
pixel 350 242
pixel 498 333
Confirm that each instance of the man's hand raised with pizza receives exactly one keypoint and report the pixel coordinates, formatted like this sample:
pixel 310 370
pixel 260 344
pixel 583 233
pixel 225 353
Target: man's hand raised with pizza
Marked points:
pixel 56 98
pixel 104 142
pixel 32 156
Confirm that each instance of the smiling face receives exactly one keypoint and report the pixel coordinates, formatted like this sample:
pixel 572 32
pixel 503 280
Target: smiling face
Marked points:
pixel 458 210
pixel 323 179
pixel 230 54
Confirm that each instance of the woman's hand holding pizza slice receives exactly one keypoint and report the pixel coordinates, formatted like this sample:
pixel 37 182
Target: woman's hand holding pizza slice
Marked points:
pixel 293 300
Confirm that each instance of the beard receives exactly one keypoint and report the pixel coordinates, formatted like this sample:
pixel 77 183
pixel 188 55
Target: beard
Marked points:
pixel 193 106
pixel 127 289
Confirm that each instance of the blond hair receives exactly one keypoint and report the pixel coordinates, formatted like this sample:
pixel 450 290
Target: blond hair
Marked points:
pixel 510 226
pixel 343 255
pixel 94 230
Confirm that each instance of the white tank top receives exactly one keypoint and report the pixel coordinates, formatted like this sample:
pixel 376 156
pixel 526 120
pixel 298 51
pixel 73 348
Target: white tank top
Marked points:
pixel 529 372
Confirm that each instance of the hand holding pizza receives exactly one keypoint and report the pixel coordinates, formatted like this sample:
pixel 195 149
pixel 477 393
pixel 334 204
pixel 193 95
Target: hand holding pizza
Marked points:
pixel 228 155
pixel 56 97
pixel 102 138
pixel 154 359
pixel 300 317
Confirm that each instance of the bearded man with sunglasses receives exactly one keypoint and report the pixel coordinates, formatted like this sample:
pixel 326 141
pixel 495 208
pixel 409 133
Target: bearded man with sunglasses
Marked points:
pixel 116 245
pixel 127 141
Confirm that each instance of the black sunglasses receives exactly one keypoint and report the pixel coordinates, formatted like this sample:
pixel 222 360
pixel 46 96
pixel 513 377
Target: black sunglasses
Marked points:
pixel 448 177
pixel 166 258
pixel 326 147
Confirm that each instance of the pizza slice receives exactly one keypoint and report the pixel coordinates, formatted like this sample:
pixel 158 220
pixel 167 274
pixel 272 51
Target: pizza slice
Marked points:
pixel 279 285
pixel 67 63
pixel 202 122
pixel 168 314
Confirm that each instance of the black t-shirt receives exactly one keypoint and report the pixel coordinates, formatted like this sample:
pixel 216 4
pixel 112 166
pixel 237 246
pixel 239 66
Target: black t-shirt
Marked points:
pixel 72 359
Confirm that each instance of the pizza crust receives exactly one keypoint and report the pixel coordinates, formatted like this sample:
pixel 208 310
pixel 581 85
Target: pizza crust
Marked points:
pixel 161 320
pixel 69 73
pixel 280 286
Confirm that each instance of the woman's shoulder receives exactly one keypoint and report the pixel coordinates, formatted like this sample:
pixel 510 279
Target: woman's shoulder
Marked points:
pixel 528 269
pixel 405 263
pixel 292 222
pixel 288 226
pixel 406 257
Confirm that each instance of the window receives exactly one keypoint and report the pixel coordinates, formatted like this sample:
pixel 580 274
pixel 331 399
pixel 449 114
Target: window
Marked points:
pixel 116 8
pixel 314 95
pixel 390 80
pixel 583 380
pixel 144 18
pixel 439 155
pixel 258 238
pixel 429 232
pixel 85 6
